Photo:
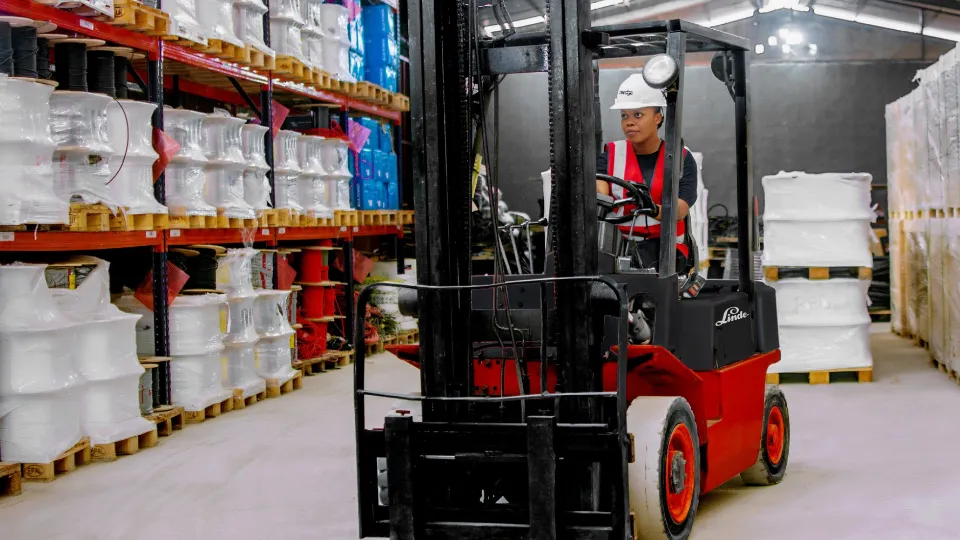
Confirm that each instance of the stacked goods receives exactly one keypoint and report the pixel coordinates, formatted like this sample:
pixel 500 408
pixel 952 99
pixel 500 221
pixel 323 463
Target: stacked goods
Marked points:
pixel 336 41
pixel 216 17
pixel 923 178
pixel 381 48
pixel 248 21
pixel 275 347
pixel 78 118
pixel 311 184
pixel 286 22
pixel 699 220
pixel 86 8
pixel 40 387
pixel 817 257
pixel 376 178
pixel 131 134
pixel 184 19
pixel 185 177
pixel 225 165
pixel 256 185
pixel 312 32
pixel 355 35
pixel 286 171
pixel 335 158
pixel 234 277
pixel 106 358
pixel 26 152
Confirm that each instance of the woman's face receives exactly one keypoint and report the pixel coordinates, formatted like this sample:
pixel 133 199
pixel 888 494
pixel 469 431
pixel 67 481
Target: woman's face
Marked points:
pixel 640 124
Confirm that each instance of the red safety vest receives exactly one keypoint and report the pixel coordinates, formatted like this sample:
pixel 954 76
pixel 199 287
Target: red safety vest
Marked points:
pixel 622 163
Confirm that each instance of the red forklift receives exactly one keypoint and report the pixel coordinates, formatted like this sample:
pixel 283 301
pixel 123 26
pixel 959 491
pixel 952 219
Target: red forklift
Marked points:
pixel 600 399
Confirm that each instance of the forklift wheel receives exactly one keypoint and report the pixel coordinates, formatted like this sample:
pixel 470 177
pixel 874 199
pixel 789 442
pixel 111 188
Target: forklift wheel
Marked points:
pixel 771 462
pixel 665 474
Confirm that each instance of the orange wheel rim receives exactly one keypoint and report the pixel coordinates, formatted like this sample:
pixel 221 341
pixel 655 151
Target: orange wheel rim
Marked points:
pixel 775 433
pixel 680 473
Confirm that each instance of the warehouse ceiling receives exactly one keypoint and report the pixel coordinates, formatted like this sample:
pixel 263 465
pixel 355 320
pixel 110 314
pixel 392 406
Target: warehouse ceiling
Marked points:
pixel 934 18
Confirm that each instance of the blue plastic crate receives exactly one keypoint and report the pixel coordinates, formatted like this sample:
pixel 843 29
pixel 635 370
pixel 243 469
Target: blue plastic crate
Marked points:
pixel 375 131
pixel 357 69
pixel 385 137
pixel 392 201
pixel 370 195
pixel 379 20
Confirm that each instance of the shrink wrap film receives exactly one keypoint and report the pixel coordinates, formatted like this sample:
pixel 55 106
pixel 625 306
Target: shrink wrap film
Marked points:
pixel 131 166
pixel 274 356
pixel 216 17
pixel 197 381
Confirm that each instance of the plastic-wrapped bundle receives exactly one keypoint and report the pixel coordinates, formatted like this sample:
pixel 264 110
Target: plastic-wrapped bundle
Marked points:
pixel 951 276
pixel 950 93
pixel 274 356
pixel 312 32
pixel 286 170
pixel 381 50
pixel 335 20
pixel 131 134
pixel 185 178
pixel 921 154
pixel 335 159
pixel 312 186
pixel 931 90
pixel 216 17
pixel 256 186
pixel 271 313
pixel 817 220
pixel 225 166
pixel 336 40
pixel 291 10
pixel 242 325
pixel 917 259
pixel 39 382
pixel 286 39
pixel 78 123
pixel 26 153
pixel 197 381
pixel 184 20
pixel 243 362
pixel 248 23
pixel 823 324
pixel 197 324
pixel 234 272
pixel 938 309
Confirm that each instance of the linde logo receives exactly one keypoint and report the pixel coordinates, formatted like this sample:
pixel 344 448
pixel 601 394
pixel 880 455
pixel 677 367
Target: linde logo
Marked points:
pixel 732 314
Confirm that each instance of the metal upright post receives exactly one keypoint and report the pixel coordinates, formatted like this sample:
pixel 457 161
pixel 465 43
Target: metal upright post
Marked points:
pixel 266 117
pixel 745 218
pixel 673 160
pixel 349 303
pixel 160 278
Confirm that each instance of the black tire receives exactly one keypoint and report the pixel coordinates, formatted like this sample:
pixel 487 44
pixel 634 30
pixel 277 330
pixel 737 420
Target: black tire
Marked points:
pixel 769 469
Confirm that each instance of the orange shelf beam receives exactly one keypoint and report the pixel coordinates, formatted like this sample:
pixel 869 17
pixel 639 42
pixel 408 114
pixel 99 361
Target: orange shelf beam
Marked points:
pixel 78 241
pixel 186 237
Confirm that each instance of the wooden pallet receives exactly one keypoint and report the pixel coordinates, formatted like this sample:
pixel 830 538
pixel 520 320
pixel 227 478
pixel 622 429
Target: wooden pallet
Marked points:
pixel 269 218
pixel 79 454
pixel 126 447
pixel 212 411
pixel 193 222
pixel 374 348
pixel 221 49
pixel 89 217
pixel 168 420
pixel 330 360
pixel 285 218
pixel 224 222
pixel 136 17
pixel 346 218
pixel 256 59
pixel 275 389
pixel 11 480
pixel 406 217
pixel 240 402
pixel 823 377
pixel 379 217
pixel 774 273
pixel 139 222
pixel 401 103
pixel 407 337
pixel 292 68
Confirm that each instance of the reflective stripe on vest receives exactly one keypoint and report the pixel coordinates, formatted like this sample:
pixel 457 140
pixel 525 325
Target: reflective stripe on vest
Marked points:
pixel 622 163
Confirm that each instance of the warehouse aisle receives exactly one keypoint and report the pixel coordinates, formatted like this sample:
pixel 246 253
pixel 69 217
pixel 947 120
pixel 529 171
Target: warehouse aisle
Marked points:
pixel 867 461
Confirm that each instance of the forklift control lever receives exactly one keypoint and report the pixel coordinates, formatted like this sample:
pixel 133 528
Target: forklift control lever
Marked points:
pixel 637 195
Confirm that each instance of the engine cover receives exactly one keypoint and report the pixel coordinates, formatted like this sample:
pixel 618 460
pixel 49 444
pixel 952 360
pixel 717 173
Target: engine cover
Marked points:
pixel 713 330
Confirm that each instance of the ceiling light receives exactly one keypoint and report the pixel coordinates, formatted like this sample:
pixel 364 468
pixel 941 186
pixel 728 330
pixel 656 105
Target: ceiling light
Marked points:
pixel 786 49
pixel 941 34
pixel 834 13
pixel 759 48
pixel 605 3
pixel 812 48
pixel 730 17
pixel 883 22
pixel 791 37
pixel 772 41
pixel 800 8
pixel 518 24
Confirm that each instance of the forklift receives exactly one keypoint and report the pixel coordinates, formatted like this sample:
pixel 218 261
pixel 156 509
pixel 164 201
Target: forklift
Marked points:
pixel 546 412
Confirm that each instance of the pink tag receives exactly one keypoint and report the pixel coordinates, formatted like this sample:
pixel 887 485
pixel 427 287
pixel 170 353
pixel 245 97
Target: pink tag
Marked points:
pixel 167 147
pixel 358 135
pixel 354 8
pixel 280 114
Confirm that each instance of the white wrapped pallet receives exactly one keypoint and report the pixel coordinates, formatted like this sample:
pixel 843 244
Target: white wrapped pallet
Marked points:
pixel 824 325
pixel 930 85
pixel 234 276
pixel 916 255
pixel 952 277
pixel 951 142
pixel 131 134
pixel 184 19
pixel 937 307
pixel 817 219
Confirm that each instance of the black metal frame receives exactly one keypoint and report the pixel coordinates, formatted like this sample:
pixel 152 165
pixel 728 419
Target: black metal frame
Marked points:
pixel 454 423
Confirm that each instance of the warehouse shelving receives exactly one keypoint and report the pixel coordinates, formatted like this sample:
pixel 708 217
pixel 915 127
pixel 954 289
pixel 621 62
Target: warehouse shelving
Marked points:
pixel 170 69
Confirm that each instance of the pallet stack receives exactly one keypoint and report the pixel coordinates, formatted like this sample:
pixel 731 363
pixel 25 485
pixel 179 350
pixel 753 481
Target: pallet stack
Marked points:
pixel 923 174
pixel 817 257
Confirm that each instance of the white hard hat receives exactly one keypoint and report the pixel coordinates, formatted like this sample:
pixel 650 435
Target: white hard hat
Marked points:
pixel 635 93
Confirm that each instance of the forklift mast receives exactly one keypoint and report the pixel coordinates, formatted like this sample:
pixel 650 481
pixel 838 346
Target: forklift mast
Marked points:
pixel 564 456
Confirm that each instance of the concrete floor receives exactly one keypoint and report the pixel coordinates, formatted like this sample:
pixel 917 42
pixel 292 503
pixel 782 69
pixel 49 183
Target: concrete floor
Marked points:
pixel 867 461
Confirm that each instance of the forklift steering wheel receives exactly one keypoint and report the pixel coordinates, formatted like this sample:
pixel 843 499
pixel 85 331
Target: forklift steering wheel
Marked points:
pixel 637 195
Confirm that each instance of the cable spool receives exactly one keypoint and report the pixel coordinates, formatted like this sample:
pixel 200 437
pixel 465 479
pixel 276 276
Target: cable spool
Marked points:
pixel 100 72
pixel 329 301
pixel 314 301
pixel 6 48
pixel 71 62
pixel 43 58
pixel 200 263
pixel 197 324
pixel 24 40
pixel 314 265
pixel 120 61
pixel 270 312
